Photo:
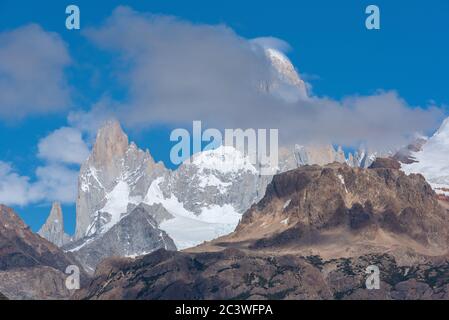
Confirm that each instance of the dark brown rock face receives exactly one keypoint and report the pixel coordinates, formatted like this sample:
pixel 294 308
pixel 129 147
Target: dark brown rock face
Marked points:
pixel 364 202
pixel 312 236
pixel 30 266
pixel 229 274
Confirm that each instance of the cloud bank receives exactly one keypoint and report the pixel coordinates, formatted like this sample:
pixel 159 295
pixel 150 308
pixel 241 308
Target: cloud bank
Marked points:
pixel 176 72
pixel 62 151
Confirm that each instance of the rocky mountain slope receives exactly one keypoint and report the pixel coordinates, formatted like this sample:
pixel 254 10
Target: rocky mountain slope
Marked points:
pixel 137 233
pixel 323 204
pixel 201 200
pixel 300 155
pixel 30 266
pixel 238 274
pixel 311 237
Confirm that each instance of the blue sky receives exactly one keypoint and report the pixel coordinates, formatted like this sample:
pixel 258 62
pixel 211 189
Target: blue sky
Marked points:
pixel 330 46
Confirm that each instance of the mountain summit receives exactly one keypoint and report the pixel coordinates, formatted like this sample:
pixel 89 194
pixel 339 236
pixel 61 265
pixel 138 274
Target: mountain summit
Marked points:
pixel 53 229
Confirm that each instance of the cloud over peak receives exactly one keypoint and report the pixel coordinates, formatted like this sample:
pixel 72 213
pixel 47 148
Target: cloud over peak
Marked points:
pixel 176 72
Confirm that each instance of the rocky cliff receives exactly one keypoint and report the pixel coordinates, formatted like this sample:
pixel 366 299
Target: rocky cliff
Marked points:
pixel 137 233
pixel 53 229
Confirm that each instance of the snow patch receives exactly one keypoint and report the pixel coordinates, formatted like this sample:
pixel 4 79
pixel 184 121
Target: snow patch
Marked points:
pixel 286 204
pixel 212 181
pixel 432 160
pixel 187 229
pixel 224 159
pixel 342 180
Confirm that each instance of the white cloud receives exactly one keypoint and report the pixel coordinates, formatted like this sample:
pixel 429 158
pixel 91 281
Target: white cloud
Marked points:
pixel 32 80
pixel 57 183
pixel 53 182
pixel 64 145
pixel 15 189
pixel 56 179
pixel 177 72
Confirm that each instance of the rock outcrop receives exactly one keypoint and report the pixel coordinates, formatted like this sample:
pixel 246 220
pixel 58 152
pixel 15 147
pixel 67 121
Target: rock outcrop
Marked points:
pixel 137 233
pixel 201 200
pixel 53 229
pixel 306 205
pixel 115 169
pixel 237 274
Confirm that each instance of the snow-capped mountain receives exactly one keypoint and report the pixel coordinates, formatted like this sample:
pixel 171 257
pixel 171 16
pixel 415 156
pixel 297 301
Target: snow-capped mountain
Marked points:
pixel 431 159
pixel 207 195
pixel 116 174
pixel 201 200
pixel 129 205
pixel 286 82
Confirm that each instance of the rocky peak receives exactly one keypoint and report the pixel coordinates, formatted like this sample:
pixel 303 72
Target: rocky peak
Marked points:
pixel 53 229
pixel 111 143
pixel 285 68
pixel 286 82
pixel 116 172
pixel 30 266
pixel 303 207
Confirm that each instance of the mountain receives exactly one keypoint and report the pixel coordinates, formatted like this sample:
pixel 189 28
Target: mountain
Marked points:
pixel 53 229
pixel 312 236
pixel 115 174
pixel 3 297
pixel 137 233
pixel 207 195
pixel 204 198
pixel 406 154
pixel 321 154
pixel 201 200
pixel 286 82
pixel 429 157
pixel 316 206
pixel 30 266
